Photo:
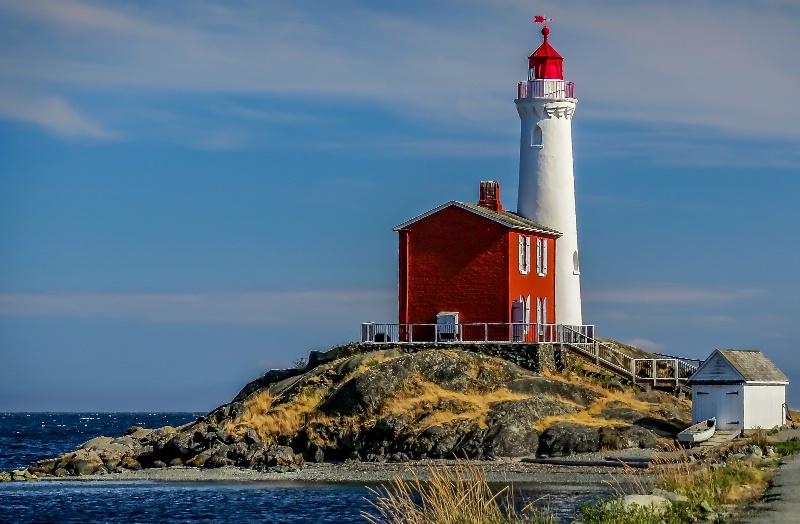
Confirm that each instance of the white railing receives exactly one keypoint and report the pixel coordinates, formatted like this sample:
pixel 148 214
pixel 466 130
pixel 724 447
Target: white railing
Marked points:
pixel 638 370
pixel 473 332
pixel 545 88
pixel 580 340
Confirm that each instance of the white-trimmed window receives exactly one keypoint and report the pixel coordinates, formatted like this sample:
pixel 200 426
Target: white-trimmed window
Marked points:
pixel 536 136
pixel 541 310
pixel 541 256
pixel 524 254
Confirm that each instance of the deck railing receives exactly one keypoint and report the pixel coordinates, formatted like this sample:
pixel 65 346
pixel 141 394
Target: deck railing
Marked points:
pixel 546 88
pixel 473 332
pixel 654 371
pixel 580 340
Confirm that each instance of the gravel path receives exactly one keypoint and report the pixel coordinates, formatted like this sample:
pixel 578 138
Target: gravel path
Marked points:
pixel 782 501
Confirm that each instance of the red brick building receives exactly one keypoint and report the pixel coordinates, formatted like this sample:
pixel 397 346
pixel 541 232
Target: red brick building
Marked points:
pixel 467 266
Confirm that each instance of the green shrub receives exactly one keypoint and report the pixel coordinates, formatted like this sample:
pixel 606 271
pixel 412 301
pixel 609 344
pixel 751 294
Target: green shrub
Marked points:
pixel 790 447
pixel 615 512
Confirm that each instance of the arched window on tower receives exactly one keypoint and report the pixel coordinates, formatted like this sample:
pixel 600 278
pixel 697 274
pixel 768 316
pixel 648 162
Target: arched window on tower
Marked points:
pixel 536 137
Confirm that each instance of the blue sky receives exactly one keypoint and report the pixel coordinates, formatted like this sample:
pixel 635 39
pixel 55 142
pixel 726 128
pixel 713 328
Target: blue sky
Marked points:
pixel 194 192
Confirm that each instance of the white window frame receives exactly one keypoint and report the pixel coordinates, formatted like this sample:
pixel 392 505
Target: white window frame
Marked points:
pixel 541 256
pixel 536 138
pixel 524 254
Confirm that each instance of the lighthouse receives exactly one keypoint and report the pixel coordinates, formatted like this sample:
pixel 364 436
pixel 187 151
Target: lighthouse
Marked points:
pixel 546 105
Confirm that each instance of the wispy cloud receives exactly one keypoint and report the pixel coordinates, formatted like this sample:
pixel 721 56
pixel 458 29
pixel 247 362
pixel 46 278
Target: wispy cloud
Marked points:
pixel 296 308
pixel 667 294
pixel 631 63
pixel 52 113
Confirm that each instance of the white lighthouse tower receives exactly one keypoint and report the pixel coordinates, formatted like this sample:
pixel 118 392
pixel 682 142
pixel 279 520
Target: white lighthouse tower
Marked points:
pixel 546 105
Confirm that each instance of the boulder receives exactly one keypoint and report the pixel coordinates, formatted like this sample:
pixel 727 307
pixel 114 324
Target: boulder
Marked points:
pixel 85 462
pixel 510 432
pixel 566 438
pixel 96 442
pixel 658 504
pixel 281 455
pixel 5 476
pixel 44 467
pixel 219 457
pixel 199 460
pixel 572 392
pixel 130 463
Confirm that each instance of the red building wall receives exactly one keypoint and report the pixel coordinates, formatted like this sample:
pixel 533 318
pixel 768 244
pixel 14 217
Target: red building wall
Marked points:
pixel 532 284
pixel 454 260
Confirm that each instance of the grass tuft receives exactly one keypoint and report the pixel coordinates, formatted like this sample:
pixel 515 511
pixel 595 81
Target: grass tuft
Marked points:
pixel 453 495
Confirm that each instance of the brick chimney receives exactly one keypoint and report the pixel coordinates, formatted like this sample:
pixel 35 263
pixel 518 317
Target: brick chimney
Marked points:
pixel 490 195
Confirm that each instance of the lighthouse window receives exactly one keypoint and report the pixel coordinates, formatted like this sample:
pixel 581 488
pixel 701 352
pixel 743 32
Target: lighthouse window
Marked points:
pixel 541 256
pixel 536 137
pixel 576 268
pixel 524 254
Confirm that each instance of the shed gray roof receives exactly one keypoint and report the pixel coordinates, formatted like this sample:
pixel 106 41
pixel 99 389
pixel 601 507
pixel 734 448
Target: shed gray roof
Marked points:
pixel 507 218
pixel 753 365
pixel 737 366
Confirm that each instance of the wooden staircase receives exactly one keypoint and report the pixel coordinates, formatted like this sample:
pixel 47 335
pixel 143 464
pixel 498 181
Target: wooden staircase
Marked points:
pixel 660 372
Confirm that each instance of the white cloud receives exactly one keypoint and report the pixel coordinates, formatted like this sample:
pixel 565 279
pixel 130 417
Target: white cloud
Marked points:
pixel 291 308
pixel 52 113
pixel 706 66
pixel 666 294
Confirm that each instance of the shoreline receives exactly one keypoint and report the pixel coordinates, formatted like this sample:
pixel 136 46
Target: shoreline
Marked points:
pixel 497 471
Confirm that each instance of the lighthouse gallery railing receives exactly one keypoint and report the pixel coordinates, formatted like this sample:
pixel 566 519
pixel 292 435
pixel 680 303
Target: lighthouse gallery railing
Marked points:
pixel 546 88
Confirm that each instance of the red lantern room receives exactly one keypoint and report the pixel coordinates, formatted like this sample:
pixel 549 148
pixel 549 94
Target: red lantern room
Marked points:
pixel 545 62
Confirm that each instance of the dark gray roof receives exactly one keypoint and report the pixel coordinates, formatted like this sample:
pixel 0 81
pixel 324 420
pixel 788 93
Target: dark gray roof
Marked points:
pixel 507 218
pixel 753 365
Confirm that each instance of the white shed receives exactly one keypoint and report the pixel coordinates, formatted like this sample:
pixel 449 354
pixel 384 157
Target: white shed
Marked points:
pixel 742 389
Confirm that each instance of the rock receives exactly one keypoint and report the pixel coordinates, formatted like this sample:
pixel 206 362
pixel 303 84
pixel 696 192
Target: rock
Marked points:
pixel 626 437
pixel 449 370
pixel 44 467
pixel 138 433
pixel 159 464
pixel 199 460
pixel 175 462
pixel 624 414
pixel 85 462
pixel 391 425
pixel 130 463
pixel 96 442
pixel 61 472
pixel 5 476
pixel 566 438
pixel 572 392
pixel 219 457
pixel 658 504
pixel 281 455
pixel 511 433
pixel 670 496
pixel 18 475
pixel 251 437
pixel 706 507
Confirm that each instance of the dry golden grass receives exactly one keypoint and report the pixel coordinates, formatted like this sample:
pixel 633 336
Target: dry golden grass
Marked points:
pixel 453 495
pixel 443 406
pixel 724 483
pixel 272 421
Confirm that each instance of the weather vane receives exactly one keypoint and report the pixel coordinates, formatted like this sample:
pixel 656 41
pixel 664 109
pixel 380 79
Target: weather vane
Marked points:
pixel 538 19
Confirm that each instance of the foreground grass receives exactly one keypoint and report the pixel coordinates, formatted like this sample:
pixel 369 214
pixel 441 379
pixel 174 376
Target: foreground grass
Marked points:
pixel 457 495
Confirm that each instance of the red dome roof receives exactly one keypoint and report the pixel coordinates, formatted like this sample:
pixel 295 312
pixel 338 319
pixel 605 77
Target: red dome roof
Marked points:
pixel 545 61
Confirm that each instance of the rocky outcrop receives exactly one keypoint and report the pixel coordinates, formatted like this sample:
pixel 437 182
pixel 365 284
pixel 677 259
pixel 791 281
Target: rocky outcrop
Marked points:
pixel 390 406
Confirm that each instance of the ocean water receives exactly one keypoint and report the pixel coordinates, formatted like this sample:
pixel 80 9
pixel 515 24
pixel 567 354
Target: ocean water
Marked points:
pixel 27 437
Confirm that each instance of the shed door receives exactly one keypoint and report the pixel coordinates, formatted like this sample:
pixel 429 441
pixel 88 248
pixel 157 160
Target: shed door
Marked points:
pixel 723 402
